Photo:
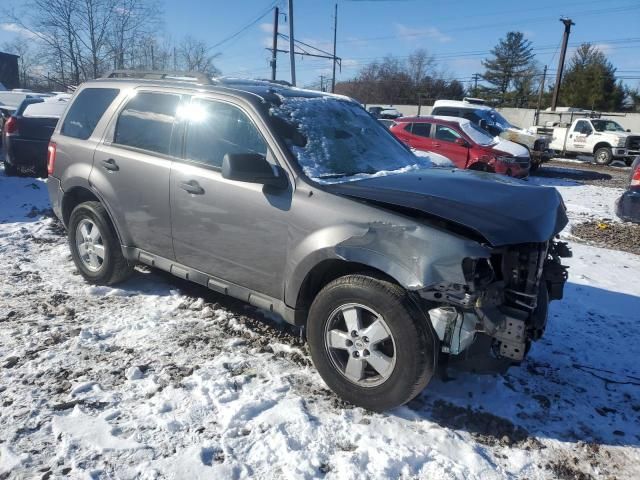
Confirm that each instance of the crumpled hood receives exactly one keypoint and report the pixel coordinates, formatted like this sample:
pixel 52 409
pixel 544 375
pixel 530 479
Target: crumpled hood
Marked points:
pixel 503 210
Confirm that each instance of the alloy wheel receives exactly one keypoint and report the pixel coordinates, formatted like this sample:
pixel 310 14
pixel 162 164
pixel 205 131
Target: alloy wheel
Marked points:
pixel 360 345
pixel 90 245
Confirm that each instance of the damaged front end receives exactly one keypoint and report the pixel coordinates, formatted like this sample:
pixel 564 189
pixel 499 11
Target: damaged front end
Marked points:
pixel 503 306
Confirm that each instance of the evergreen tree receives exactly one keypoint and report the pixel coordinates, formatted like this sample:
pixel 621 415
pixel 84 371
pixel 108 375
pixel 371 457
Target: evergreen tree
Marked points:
pixel 590 81
pixel 511 61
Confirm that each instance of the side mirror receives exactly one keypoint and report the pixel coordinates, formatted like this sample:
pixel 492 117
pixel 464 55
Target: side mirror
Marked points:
pixel 462 142
pixel 253 168
pixel 629 130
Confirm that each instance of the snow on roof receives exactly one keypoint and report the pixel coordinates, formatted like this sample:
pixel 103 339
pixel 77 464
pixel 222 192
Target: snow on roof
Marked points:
pixel 52 107
pixel 460 104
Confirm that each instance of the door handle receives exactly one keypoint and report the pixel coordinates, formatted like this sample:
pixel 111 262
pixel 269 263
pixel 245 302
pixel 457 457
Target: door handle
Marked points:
pixel 435 144
pixel 192 187
pixel 110 164
pixel 571 135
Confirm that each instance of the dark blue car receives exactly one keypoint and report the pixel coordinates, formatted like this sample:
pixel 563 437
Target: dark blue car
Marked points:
pixel 628 205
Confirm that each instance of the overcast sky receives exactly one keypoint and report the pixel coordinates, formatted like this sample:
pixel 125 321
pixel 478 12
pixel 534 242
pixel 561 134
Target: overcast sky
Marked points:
pixel 458 32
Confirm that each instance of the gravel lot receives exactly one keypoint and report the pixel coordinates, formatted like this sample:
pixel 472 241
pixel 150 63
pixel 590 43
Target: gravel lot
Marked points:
pixel 586 173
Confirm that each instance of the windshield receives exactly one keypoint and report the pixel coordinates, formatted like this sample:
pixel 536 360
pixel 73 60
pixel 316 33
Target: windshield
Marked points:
pixel 335 139
pixel 607 126
pixel 476 134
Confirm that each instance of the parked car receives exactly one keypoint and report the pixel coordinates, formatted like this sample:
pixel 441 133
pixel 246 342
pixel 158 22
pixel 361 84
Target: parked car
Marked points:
pixel 628 205
pixel 27 132
pixel 490 120
pixel 10 100
pixel 464 143
pixel 302 204
pixel 375 111
pixel 390 113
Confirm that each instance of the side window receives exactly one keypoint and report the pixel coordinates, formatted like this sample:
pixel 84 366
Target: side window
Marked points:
pixel 446 134
pixel 447 112
pixel 86 111
pixel 472 116
pixel 147 122
pixel 408 127
pixel 583 127
pixel 421 129
pixel 218 128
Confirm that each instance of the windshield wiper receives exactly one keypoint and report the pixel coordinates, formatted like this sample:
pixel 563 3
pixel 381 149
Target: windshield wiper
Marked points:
pixel 346 174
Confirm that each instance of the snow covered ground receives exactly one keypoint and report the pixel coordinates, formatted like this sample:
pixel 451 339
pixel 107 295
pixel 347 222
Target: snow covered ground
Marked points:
pixel 163 379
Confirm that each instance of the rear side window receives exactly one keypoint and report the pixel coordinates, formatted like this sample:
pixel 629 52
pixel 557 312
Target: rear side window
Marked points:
pixel 421 129
pixel 147 122
pixel 219 128
pixel 447 134
pixel 86 110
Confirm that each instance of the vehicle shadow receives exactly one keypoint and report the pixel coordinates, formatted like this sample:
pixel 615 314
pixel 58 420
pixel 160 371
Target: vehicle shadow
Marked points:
pixel 571 174
pixel 581 382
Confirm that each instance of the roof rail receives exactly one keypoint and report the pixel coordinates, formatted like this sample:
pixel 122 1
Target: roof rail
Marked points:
pixel 197 77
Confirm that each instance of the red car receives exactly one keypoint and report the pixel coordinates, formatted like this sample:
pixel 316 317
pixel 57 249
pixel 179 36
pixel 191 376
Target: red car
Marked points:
pixel 464 143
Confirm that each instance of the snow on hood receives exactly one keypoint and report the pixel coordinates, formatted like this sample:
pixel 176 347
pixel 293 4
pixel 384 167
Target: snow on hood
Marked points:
pixel 510 147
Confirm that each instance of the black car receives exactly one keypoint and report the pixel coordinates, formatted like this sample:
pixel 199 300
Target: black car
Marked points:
pixel 26 135
pixel 628 205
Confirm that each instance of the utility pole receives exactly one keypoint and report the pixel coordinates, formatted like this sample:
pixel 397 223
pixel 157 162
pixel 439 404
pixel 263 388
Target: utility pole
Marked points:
pixel 540 93
pixel 335 36
pixel 292 46
pixel 565 39
pixel 476 76
pixel 274 51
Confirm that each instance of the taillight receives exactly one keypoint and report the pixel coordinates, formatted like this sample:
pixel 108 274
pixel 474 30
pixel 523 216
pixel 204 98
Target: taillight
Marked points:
pixel 51 157
pixel 11 126
pixel 635 178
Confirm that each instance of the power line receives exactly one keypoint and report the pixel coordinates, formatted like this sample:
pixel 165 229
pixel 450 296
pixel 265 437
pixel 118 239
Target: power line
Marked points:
pixel 476 26
pixel 248 26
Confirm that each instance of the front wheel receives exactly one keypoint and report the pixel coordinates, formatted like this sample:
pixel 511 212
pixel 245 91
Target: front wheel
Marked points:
pixel 369 343
pixel 603 156
pixel 94 245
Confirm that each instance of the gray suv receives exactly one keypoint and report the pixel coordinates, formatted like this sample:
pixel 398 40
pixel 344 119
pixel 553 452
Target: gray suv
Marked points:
pixel 302 204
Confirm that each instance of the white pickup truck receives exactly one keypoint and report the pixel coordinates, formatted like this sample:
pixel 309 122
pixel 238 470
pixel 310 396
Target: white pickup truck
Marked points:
pixel 605 139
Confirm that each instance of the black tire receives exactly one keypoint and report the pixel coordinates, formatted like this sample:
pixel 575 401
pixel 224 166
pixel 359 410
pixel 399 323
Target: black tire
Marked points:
pixel 414 343
pixel 114 268
pixel 10 170
pixel 603 156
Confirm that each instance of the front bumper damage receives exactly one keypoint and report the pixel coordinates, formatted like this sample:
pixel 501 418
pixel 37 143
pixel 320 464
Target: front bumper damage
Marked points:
pixel 506 299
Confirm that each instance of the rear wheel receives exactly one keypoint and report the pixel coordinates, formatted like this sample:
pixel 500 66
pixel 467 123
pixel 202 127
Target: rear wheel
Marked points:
pixel 369 343
pixel 10 170
pixel 95 247
pixel 603 156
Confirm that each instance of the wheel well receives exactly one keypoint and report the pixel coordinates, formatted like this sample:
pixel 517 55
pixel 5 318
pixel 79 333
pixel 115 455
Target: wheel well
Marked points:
pixel 600 145
pixel 481 167
pixel 325 272
pixel 73 198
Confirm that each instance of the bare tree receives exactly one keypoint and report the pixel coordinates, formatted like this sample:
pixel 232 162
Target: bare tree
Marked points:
pixel 419 64
pixel 195 55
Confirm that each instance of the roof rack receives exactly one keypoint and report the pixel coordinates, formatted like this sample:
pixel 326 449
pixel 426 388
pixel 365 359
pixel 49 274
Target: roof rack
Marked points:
pixel 197 77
